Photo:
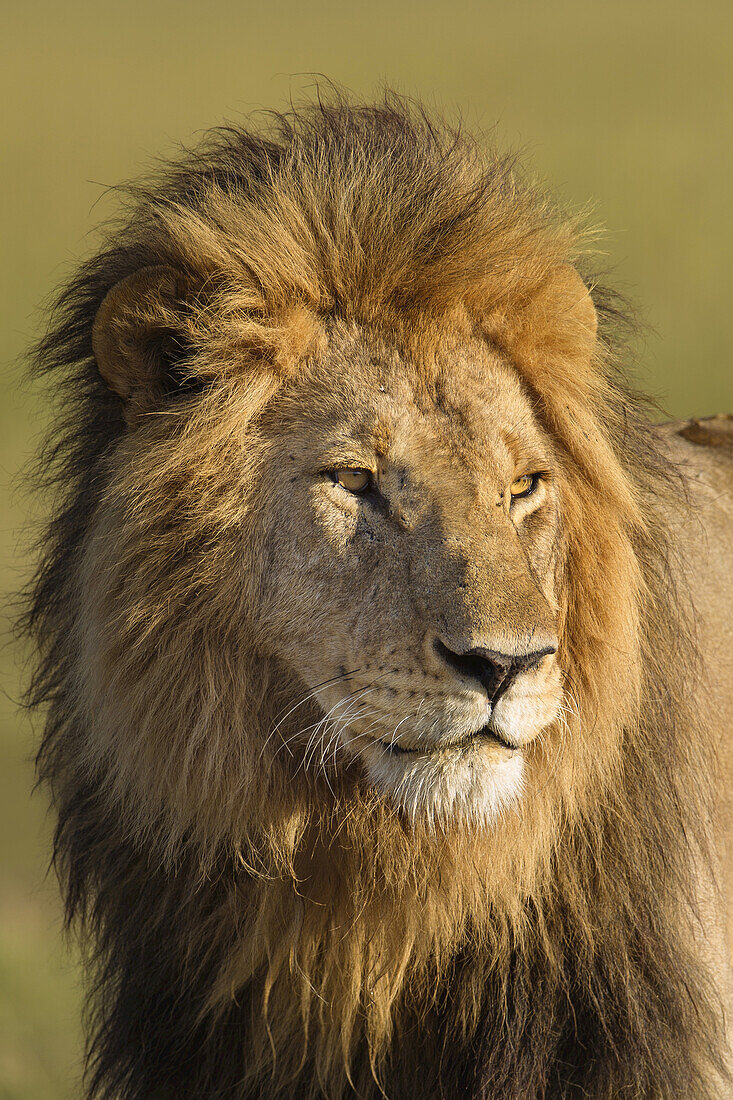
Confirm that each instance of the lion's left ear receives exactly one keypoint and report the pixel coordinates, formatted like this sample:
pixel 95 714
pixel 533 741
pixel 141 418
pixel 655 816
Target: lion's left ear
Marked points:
pixel 558 323
pixel 573 295
pixel 551 338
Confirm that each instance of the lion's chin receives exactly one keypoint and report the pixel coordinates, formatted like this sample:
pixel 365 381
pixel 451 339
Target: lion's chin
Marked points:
pixel 474 784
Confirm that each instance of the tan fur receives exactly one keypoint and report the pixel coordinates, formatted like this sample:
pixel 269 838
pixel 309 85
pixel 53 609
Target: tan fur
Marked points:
pixel 241 637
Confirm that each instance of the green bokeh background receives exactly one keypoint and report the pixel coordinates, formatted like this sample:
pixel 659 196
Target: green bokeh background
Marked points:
pixel 626 104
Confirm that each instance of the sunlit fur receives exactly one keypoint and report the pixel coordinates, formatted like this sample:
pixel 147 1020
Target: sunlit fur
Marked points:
pixel 259 927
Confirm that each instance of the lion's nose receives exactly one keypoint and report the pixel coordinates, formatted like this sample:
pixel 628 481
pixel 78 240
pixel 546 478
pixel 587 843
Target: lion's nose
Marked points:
pixel 494 670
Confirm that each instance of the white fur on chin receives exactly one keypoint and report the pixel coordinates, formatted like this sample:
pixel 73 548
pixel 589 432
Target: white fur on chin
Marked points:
pixel 475 784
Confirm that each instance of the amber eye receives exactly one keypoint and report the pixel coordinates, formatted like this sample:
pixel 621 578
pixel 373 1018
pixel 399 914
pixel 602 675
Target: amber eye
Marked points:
pixel 353 479
pixel 523 486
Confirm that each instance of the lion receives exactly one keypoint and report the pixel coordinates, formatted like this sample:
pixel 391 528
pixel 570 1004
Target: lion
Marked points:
pixel 384 644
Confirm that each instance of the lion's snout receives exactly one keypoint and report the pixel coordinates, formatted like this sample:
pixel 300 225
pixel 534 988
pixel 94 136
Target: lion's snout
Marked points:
pixel 495 670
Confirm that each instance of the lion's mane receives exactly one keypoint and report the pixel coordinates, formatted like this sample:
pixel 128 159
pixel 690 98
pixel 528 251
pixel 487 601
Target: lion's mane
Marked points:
pixel 251 932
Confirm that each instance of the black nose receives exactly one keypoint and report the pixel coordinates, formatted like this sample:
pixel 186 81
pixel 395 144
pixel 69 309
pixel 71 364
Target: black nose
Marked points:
pixel 495 671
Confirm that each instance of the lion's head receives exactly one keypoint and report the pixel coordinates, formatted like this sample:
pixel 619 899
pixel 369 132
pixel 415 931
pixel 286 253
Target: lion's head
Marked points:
pixel 358 593
pixel 413 543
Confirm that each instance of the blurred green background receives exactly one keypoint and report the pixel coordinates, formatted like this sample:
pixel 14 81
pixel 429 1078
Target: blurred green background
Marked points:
pixel 629 105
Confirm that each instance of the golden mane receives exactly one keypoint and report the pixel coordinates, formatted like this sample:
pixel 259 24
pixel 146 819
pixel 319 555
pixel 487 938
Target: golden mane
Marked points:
pixel 232 952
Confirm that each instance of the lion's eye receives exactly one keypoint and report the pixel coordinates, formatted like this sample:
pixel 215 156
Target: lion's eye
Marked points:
pixel 524 486
pixel 353 479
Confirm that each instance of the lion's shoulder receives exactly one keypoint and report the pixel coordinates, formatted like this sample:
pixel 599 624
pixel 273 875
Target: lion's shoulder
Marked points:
pixel 707 431
pixel 702 536
pixel 711 436
pixel 702 449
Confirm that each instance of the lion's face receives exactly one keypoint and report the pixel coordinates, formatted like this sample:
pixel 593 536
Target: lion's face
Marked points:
pixel 411 551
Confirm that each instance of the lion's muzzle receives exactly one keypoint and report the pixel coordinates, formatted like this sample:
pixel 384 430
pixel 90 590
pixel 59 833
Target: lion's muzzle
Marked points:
pixel 494 670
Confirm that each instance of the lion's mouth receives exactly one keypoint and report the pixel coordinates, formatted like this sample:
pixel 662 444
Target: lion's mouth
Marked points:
pixel 486 733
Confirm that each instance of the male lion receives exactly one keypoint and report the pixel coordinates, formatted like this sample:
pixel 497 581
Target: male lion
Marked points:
pixel 383 761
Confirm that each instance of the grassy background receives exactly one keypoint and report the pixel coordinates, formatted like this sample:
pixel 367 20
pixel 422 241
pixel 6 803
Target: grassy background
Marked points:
pixel 627 104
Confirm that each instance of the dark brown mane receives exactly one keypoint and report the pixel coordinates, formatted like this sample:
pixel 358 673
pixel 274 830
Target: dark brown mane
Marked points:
pixel 379 215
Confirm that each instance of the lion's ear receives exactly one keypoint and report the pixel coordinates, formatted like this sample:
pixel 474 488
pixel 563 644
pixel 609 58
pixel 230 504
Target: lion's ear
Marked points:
pixel 139 337
pixel 552 331
pixel 561 318
pixel 552 341
pixel 573 295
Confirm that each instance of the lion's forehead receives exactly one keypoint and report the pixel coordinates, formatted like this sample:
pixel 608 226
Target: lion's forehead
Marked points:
pixel 463 412
pixel 445 444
